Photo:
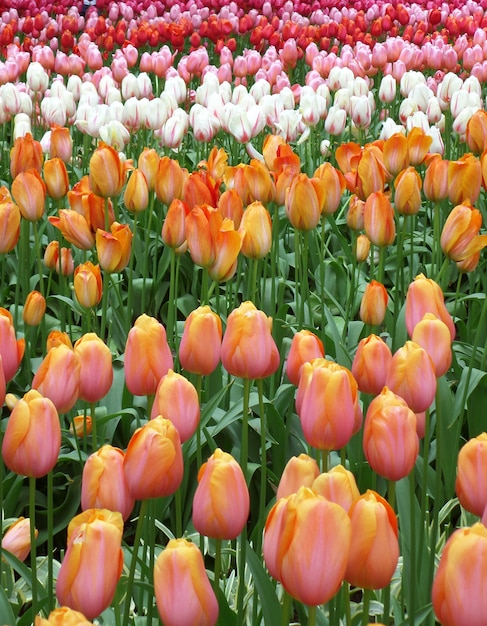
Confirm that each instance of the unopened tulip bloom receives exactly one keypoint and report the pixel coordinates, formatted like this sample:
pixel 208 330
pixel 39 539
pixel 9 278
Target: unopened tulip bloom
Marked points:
pixel 464 179
pixel 25 154
pixel 407 192
pixel 200 347
pixel 305 346
pixel 374 548
pixel 230 205
pixel 114 247
pixel 424 295
pixel 396 157
pixel 306 546
pixel 174 226
pixel 34 308
pixel 96 370
pixel 374 304
pixel 57 377
pixel 335 186
pixel 435 185
pixel 338 485
pixel 379 223
pixel 303 203
pixel 412 376
pixel 177 400
pixel 16 539
pixel 470 485
pixel 148 163
pixel 327 404
pixel 9 225
pixel 362 248
pixel 459 237
pixel 56 178
pixel 32 439
pixel 88 285
pixel 61 145
pixel 256 226
pixel 81 426
pixel 29 192
pixel 184 595
pixel 433 335
pixel 169 180
pixel 300 471
pixel 477 132
pixel 227 244
pixel 221 503
pixel 390 440
pixel 355 214
pixel 459 587
pixel 107 172
pixel 248 348
pixel 371 364
pixel 64 616
pixel 147 356
pixel 136 196
pixel 153 464
pixel 93 562
pixel 103 484
pixel 11 349
pixel 74 228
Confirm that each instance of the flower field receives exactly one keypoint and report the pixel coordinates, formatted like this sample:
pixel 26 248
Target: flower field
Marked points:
pixel 243 313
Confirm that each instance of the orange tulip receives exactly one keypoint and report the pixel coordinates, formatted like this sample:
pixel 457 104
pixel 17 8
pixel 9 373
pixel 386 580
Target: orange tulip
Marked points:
pixel 302 203
pixel 407 192
pixel 169 180
pixel 221 502
pixel 334 182
pixel 103 484
pixel 58 260
pixel 216 164
pixel 470 483
pixel 362 248
pixel 227 244
pixel 57 377
pixel 201 225
pixel 256 229
pixel 300 471
pixel 88 285
pixel 174 226
pixel 459 237
pixel 418 145
pixel 56 338
pixel 34 308
pixel 248 349
pixel 433 335
pixel 371 364
pixel 64 616
pixel 305 346
pixel 96 370
pixel 56 178
pixel 177 400
pixel 477 132
pixel 200 348
pixel 327 404
pixel 74 228
pixel 16 539
pixel 114 247
pixel 458 592
pixel 371 172
pixel 355 213
pixel 379 223
pixel 9 226
pixel 338 485
pixel 81 426
pixel 147 356
pixel 435 184
pixel 390 440
pixel 200 188
pixel 230 205
pixel 153 463
pixel 464 179
pixel 29 192
pixel 306 546
pixel 107 172
pixel 424 295
pixel 348 156
pixel 61 144
pixel 93 562
pixel 32 439
pixel 92 207
pixel 184 595
pixel 395 151
pixel 136 196
pixel 271 148
pixel 26 154
pixel 148 163
pixel 259 183
pixel 412 376
pixel 374 548
pixel 374 304
pixel 11 349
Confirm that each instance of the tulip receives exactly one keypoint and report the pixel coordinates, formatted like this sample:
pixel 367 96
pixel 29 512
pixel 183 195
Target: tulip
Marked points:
pixel 11 349
pixel 303 205
pixel 371 364
pixel 374 547
pixel 16 540
pixel 305 346
pixel 56 178
pixel 169 180
pixel 248 349
pixel 221 502
pixel 335 186
pixel 107 172
pixel 32 439
pixel 136 196
pixel 114 247
pixel 88 286
pixel 184 595
pixel 338 485
pixel 81 426
pixel 374 304
pixel 174 227
pixel 57 377
pixel 57 338
pixel 379 222
pixel 9 225
pixel 433 335
pixel 418 146
pixel 96 371
pixel 29 192
pixel 93 562
pixel 147 356
pixel 227 244
pixel 153 464
pixel 103 484
pixel 59 260
pixel 64 616
pixel 61 145
pixel 200 347
pixel 424 295
pixel 230 205
pixel 92 207
pixel 256 226
pixel 459 237
pixel 396 157
pixel 148 163
pixel 306 546
pixel 470 484
pixel 412 376
pixel 390 440
pixel 477 132
pixel 458 592
pixel 34 308
pixel 327 404
pixel 200 188
pixel 464 179
pixel 300 471
pixel 355 214
pixel 435 185
pixel 371 173
pixel 74 228
pixel 177 400
pixel 407 192
pixel 25 155
pixel 362 248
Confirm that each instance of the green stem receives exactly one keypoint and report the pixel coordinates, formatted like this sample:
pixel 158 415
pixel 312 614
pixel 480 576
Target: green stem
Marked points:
pixel 94 441
pixel 199 456
pixel 346 603
pixel 171 305
pixel 325 459
pixel 37 248
pixel 33 545
pixel 146 248
pixel 286 607
pixel 50 543
pixel 133 562
pixel 244 450
pixel 218 565
pixel 129 316
pixel 311 615
pixel 386 595
pixel 104 304
pixel 263 466
pixel 241 577
pixel 412 549
pixel 179 513
pixel 391 492
pixel 366 606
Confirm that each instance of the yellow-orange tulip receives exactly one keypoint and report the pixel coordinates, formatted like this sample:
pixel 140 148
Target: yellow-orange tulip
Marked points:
pixel 96 370
pixel 59 260
pixel 200 188
pixel 88 285
pixel 464 179
pixel 32 439
pixel 435 185
pixel 373 306
pixel 470 483
pixel 16 539
pixel 227 243
pixel 93 562
pixel 114 247
pixel 174 226
pixel 395 151
pixel 300 471
pixel 424 295
pixel 305 346
pixel 74 228
pixel 56 178
pixel 11 349
pixel 29 192
pixel 379 223
pixel 81 426
pixel 302 203
pixel 148 163
pixel 92 207
pixel 61 144
pixel 371 172
pixel 169 180
pixel 9 226
pixel 459 237
pixel 153 463
pixel 371 364
pixel 477 132
pixel 107 172
pixel 418 145
pixel 407 192
pixel 355 213
pixel 184 595
pixel 256 227
pixel 34 308
pixel 230 205
pixel 200 348
pixel 57 377
pixel 433 335
pixel 334 182
pixel 221 502
pixel 338 485
pixel 64 616
pixel 136 196
pixel 458 592
pixel 259 183
pixel 362 248
pixel 25 154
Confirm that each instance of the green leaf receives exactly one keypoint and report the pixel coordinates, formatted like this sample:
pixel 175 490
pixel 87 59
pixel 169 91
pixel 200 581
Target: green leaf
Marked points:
pixel 8 618
pixel 266 590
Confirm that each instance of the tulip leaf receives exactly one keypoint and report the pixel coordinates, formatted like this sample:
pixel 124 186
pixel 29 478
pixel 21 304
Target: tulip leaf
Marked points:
pixel 265 588
pixel 226 617
pixel 5 609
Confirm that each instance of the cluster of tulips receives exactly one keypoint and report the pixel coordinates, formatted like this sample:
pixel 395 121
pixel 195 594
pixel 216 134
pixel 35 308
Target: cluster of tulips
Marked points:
pixel 242 313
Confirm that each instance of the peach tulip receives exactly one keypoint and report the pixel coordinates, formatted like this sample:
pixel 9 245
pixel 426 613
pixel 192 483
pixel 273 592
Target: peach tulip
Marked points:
pixel 424 295
pixel 63 616
pixel 29 193
pixel 107 172
pixel 96 370
pixel 16 539
pixel 256 226
pixel 373 306
pixel 136 196
pixel 88 285
pixel 114 247
pixel 459 237
pixel 470 484
pixel 25 154
pixel 338 485
pixel 56 178
pixel 34 308
pixel 58 377
pixel 200 348
pixel 379 222
pixel 300 471
pixel 305 346
pixel 433 335
pixel 9 225
pixel 371 364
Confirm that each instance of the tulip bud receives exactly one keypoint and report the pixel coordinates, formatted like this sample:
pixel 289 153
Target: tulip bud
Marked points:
pixel 407 192
pixel 81 426
pixel 433 335
pixel 57 378
pixel 459 237
pixel 355 214
pixel 169 180
pixel 88 286
pixel 371 364
pixel 17 538
pixel 64 616
pixel 302 203
pixel 221 502
pixel 11 349
pixel 362 248
pixel 96 371
pixel 200 348
pixel 107 172
pixel 435 183
pixel 148 164
pixel 136 196
pixel 29 192
pixel 56 178
pixel 338 485
pixel 174 226
pixel 379 222
pixel 425 296
pixel 374 304
pixel 61 144
pixel 25 154
pixel 470 484
pixel 34 308
pixel 9 226
pixel 305 346
pixel 300 471
pixel 114 247
pixel 256 227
